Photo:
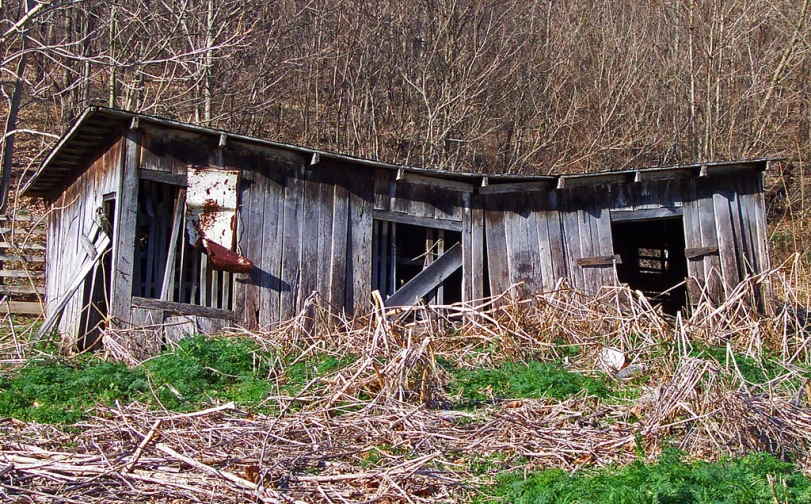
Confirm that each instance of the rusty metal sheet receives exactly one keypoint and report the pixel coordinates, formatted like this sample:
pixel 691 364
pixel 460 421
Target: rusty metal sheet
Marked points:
pixel 211 205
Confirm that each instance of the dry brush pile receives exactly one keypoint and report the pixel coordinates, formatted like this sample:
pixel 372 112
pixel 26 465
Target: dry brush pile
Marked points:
pixel 384 429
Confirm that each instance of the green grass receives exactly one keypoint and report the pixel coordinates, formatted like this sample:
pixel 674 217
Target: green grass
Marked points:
pixel 756 478
pixel 518 380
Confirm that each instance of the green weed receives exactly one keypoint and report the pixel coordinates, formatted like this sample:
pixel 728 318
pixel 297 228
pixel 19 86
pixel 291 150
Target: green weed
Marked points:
pixel 517 380
pixel 53 390
pixel 203 369
pixel 756 478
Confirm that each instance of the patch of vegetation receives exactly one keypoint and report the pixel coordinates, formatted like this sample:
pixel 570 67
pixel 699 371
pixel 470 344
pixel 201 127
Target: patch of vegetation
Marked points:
pixel 298 375
pixel 52 390
pixel 518 380
pixel 200 372
pixel 753 370
pixel 756 478
pixel 204 370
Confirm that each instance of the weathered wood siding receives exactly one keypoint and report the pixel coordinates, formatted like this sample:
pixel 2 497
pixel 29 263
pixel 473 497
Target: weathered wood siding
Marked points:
pixel 537 238
pixel 727 213
pixel 307 230
pixel 73 215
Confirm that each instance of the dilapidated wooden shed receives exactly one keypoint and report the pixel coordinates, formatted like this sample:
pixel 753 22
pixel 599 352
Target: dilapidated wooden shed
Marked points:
pixel 139 205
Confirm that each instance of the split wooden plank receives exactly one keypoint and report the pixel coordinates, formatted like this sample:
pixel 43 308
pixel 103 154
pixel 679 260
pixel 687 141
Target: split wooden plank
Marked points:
pixel 427 279
pixel 570 219
pixel 692 241
pixel 709 238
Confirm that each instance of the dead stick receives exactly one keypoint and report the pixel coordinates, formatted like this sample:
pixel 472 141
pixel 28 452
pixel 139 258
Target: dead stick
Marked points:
pixel 227 406
pixel 233 478
pixel 140 449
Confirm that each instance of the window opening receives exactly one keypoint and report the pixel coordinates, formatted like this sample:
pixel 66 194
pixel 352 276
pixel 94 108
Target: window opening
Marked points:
pixel 191 279
pixel 653 259
pixel 401 251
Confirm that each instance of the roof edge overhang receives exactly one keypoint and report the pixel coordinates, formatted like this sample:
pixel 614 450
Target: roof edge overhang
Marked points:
pixel 99 123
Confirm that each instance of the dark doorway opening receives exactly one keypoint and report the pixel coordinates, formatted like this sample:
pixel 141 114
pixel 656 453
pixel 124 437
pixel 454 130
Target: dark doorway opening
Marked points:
pixel 653 260
pixel 98 286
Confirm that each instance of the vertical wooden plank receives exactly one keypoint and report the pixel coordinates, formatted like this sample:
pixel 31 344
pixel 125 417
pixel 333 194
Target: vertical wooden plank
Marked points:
pixel 359 264
pixel 376 256
pixel 744 185
pixel 604 244
pixel 692 239
pixel 340 237
pixel 383 259
pixel 392 282
pixel 291 253
pixel 440 250
pixel 709 238
pixel 270 255
pixel 722 201
pixel 467 249
pixel 497 257
pixel 175 241
pixel 726 240
pixel 383 180
pixel 309 237
pixel 592 277
pixel 326 208
pixel 255 184
pixel 522 245
pixel 477 252
pixel 124 230
pixel 554 224
pixel 570 220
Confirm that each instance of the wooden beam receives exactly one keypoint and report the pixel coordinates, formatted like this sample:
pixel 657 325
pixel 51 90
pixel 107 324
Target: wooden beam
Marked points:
pixel 646 214
pixel 586 262
pixel 427 279
pixel 668 174
pixel 589 180
pixel 700 252
pixel 515 187
pixel 124 235
pixel 21 289
pixel 21 308
pixel 163 177
pixel 183 308
pixel 402 218
pixel 453 185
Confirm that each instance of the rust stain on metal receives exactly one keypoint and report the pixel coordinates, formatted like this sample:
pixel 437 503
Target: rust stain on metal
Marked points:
pixel 207 216
pixel 221 258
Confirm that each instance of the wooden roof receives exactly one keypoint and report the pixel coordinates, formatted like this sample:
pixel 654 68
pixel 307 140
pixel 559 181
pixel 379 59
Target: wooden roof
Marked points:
pixel 97 126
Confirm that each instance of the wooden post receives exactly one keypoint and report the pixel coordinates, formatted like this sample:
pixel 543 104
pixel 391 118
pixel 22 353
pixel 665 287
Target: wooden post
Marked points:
pixel 124 229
